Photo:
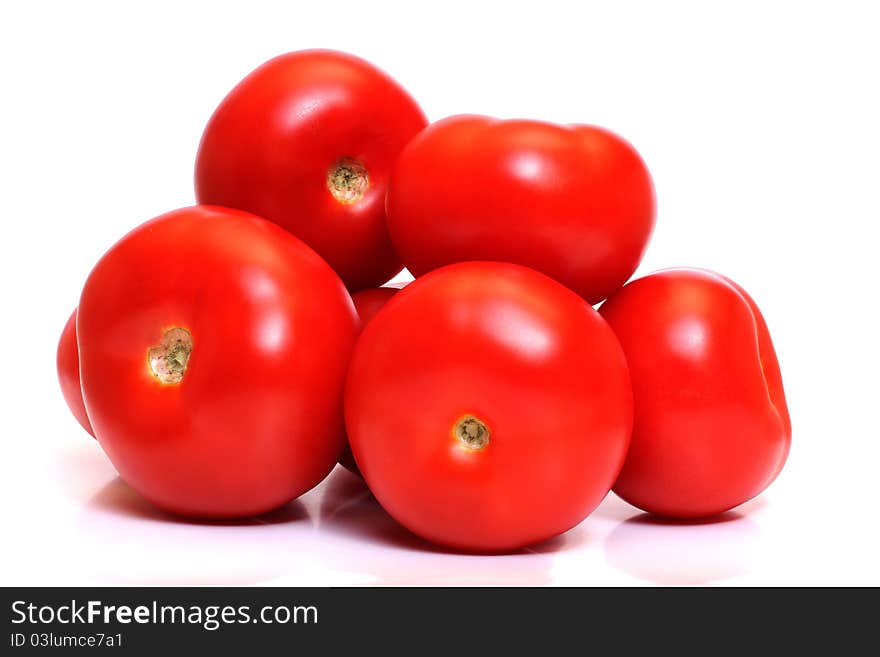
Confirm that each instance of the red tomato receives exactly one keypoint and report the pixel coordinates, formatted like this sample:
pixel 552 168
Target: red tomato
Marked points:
pixel 711 426
pixel 367 303
pixel 488 407
pixel 574 202
pixel 307 140
pixel 213 350
pixel 67 362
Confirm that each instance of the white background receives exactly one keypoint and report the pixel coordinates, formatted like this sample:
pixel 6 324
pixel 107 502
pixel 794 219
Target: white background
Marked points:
pixel 759 123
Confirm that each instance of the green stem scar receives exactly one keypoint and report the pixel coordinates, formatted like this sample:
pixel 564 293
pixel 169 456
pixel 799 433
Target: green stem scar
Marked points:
pixel 169 358
pixel 348 180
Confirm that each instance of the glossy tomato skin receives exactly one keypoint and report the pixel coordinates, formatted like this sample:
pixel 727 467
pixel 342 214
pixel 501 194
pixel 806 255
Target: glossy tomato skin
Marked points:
pixel 67 362
pixel 256 418
pixel 367 303
pixel 526 357
pixel 574 202
pixel 270 144
pixel 711 429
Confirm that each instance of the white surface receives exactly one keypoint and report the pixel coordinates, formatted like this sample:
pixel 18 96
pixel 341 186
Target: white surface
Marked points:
pixel 758 122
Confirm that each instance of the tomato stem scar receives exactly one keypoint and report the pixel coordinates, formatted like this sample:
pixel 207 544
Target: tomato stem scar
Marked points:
pixel 348 180
pixel 168 359
pixel 472 432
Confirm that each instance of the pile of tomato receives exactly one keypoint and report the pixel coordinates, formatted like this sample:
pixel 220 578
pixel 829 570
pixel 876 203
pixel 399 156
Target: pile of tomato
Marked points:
pixel 227 355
